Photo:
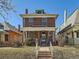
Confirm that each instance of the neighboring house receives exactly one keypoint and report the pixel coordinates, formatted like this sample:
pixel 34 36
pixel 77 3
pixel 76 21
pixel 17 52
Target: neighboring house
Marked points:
pixel 9 35
pixel 39 26
pixel 69 30
pixel 1 32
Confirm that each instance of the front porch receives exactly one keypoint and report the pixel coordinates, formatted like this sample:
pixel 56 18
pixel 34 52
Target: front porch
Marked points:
pixel 42 37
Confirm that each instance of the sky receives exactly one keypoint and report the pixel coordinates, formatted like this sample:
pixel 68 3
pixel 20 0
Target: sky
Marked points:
pixel 50 6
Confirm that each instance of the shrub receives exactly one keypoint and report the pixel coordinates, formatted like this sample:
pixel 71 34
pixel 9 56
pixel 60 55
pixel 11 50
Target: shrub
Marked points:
pixel 30 42
pixel 17 44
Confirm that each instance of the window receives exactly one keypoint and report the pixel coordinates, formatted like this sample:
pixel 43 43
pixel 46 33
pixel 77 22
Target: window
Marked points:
pixel 31 21
pixel 77 34
pixel 44 22
pixel 6 37
pixel 1 26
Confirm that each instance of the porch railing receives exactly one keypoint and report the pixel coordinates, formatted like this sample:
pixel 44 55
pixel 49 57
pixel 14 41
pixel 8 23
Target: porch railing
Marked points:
pixel 51 50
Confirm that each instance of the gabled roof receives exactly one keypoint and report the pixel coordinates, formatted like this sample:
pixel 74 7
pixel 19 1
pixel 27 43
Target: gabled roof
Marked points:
pixel 8 27
pixel 72 19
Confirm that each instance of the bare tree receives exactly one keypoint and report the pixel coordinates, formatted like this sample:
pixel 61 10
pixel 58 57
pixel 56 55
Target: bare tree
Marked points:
pixel 5 6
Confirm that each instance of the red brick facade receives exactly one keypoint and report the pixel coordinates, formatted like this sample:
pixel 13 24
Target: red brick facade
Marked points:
pixel 11 39
pixel 40 26
pixel 37 22
pixel 51 22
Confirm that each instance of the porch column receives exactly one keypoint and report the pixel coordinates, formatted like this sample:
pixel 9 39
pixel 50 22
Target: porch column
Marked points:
pixel 53 36
pixel 25 35
pixel 75 36
pixel 48 34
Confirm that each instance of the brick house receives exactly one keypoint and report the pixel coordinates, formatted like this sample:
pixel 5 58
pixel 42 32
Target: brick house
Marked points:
pixel 9 35
pixel 40 26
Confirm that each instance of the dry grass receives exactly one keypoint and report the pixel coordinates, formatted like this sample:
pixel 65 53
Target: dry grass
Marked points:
pixel 17 53
pixel 9 50
pixel 66 52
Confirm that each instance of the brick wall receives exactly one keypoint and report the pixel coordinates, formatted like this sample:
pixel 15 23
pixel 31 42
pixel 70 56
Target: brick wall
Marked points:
pixel 13 37
pixel 37 22
pixel 51 22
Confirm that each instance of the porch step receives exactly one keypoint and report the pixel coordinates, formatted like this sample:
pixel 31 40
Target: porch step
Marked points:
pixel 44 58
pixel 44 55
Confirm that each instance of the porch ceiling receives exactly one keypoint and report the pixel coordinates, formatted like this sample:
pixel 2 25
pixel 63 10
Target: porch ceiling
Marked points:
pixel 38 29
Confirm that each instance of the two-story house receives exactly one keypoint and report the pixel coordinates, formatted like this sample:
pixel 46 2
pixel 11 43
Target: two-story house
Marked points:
pixel 39 26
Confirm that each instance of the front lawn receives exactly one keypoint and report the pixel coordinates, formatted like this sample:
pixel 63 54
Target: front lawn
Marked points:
pixel 17 53
pixel 65 52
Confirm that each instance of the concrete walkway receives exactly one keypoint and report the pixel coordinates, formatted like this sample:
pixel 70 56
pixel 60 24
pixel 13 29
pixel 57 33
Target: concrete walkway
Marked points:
pixel 44 49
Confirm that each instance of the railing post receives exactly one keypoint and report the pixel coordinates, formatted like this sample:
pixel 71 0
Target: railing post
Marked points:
pixel 36 48
pixel 51 50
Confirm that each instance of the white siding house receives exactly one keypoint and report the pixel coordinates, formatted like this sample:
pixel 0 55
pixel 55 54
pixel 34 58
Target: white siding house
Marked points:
pixel 70 28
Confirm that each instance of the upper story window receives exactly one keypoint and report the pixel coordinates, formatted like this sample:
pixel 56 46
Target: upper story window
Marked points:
pixel 31 21
pixel 44 22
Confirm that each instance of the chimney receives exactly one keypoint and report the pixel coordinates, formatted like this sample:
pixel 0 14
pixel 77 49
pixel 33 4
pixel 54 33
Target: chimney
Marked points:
pixel 65 16
pixel 26 11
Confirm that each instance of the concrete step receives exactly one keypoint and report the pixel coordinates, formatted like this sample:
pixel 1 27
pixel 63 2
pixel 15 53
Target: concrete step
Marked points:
pixel 44 58
pixel 44 53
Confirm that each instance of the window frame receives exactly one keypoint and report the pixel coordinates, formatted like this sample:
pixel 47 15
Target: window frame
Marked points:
pixel 77 34
pixel 44 22
pixel 6 37
pixel 31 21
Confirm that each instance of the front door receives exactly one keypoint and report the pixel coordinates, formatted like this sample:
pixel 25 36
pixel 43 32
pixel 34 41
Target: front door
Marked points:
pixel 43 39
